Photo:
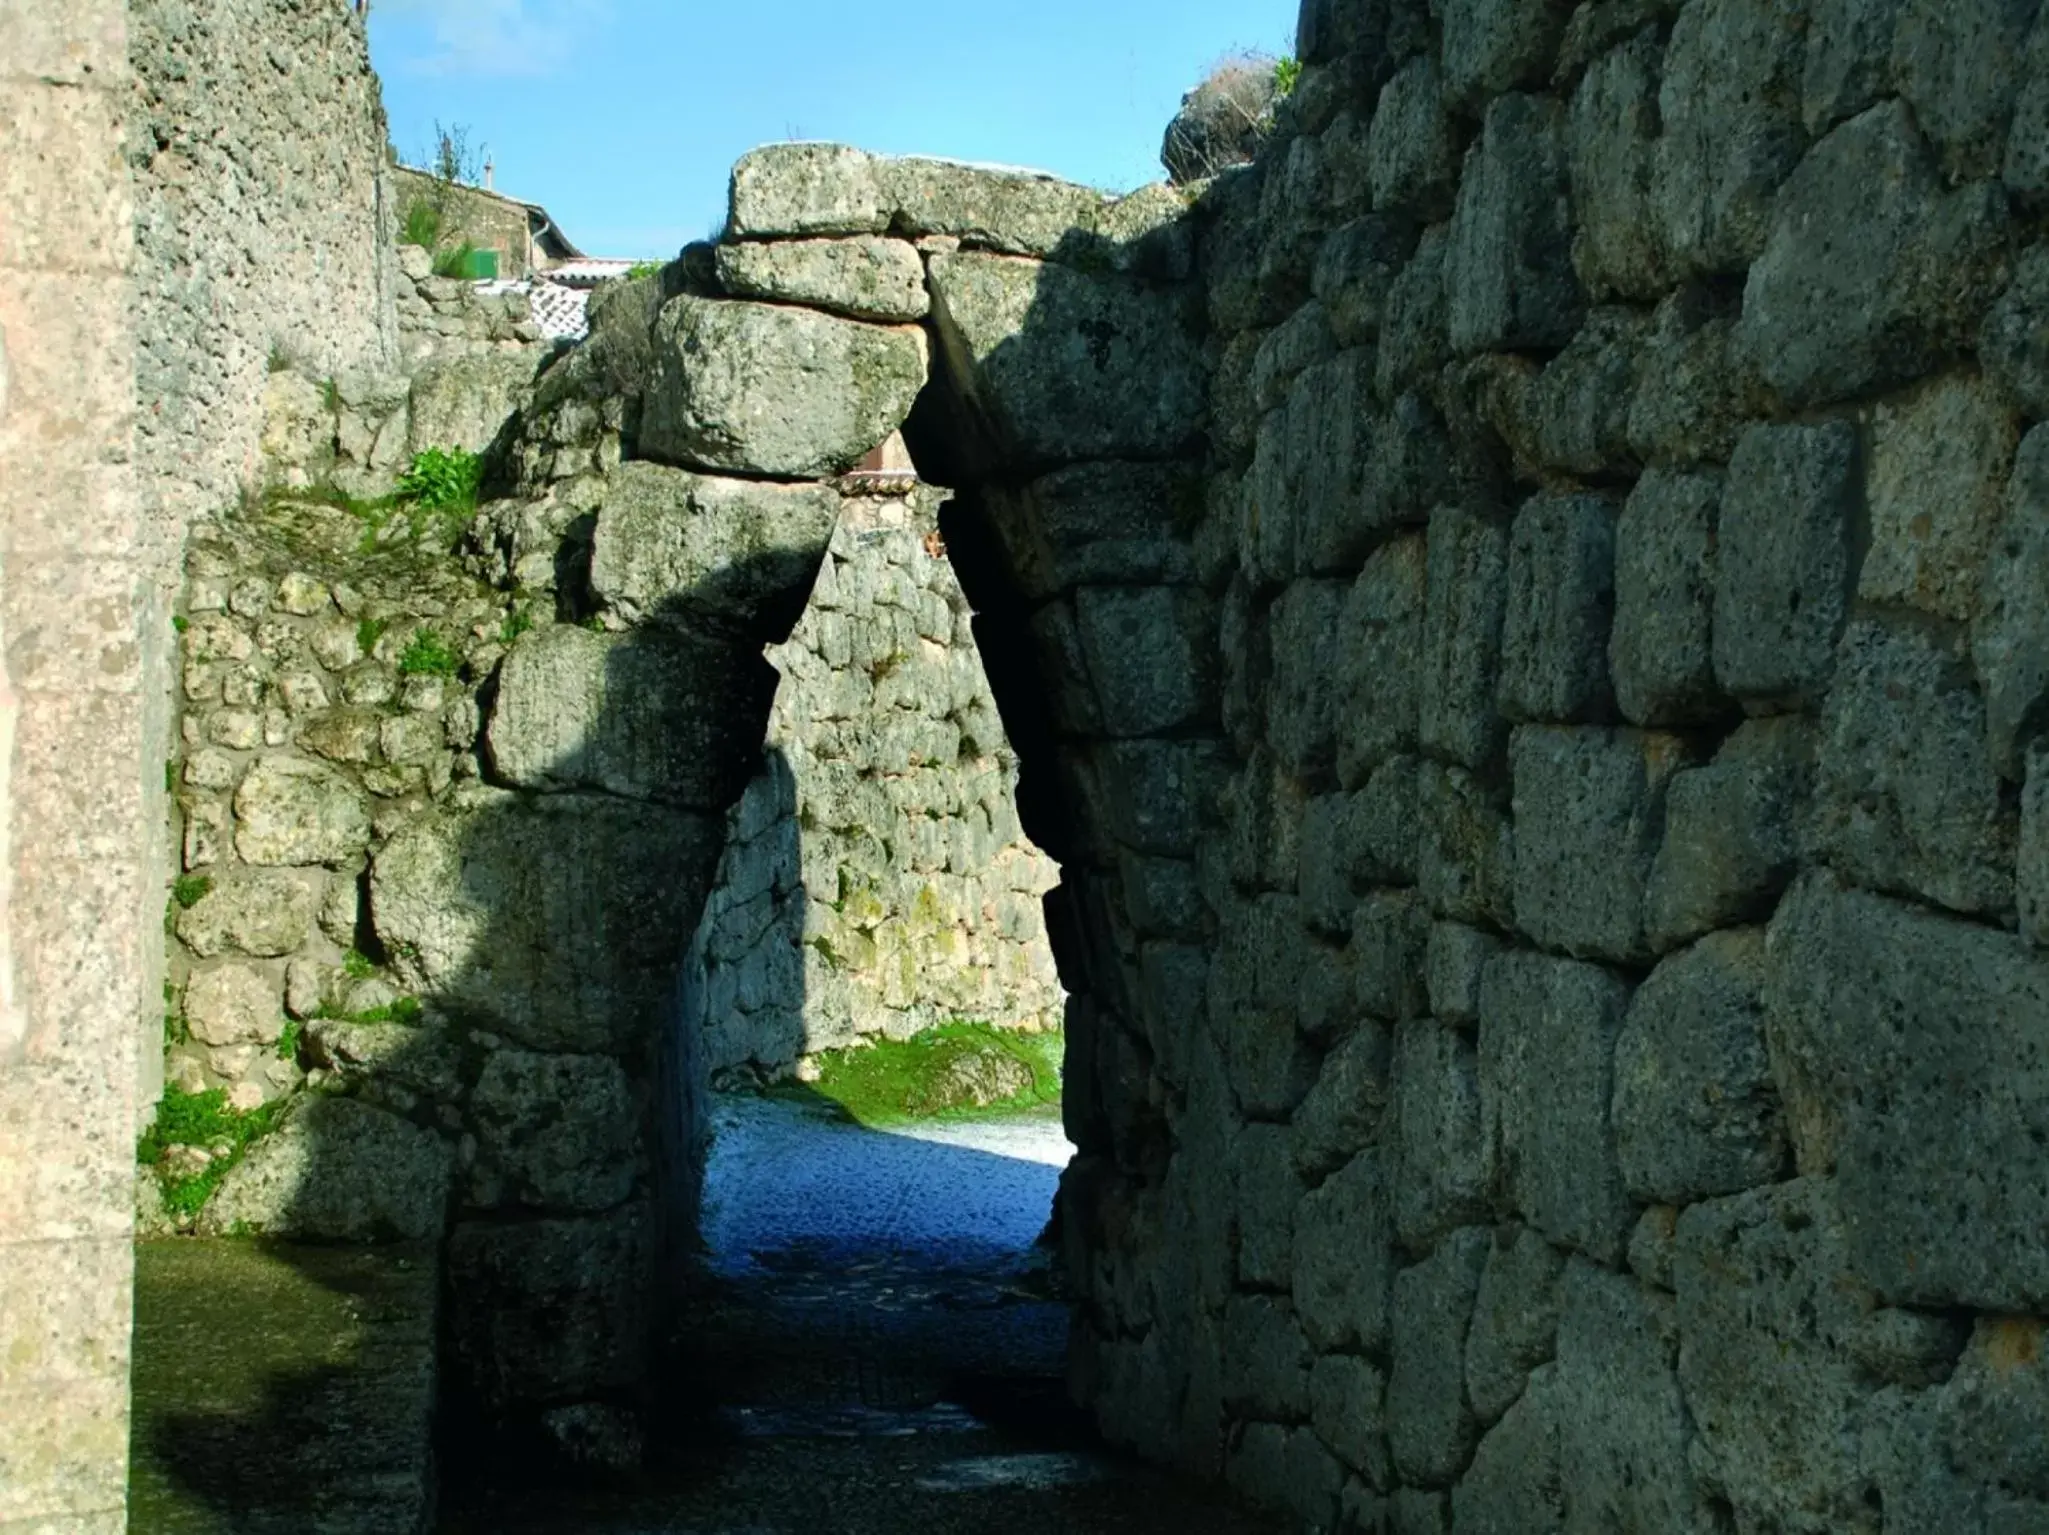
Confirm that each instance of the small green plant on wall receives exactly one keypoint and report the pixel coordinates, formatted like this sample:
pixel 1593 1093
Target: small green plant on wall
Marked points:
pixel 443 480
pixel 428 655
pixel 1287 73
pixel 204 1122
pixel 422 224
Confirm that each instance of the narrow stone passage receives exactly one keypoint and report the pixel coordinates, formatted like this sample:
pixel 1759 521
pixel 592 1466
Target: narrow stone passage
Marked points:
pixel 876 1347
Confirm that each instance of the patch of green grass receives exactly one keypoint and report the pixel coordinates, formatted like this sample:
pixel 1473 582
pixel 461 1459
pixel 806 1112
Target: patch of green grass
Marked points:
pixel 641 269
pixel 404 1010
pixel 202 1119
pixel 455 261
pixel 358 966
pixel 422 224
pixel 889 1082
pixel 188 890
pixel 288 1042
pixel 180 623
pixel 369 632
pixel 428 655
pixel 1287 73
pixel 443 480
pixel 517 622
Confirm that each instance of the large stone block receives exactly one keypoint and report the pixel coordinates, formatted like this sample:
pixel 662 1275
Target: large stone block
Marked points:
pixel 1412 145
pixel 1348 1406
pixel 1612 139
pixel 1343 1113
pixel 1515 1319
pixel 1588 812
pixel 1266 1358
pixel 1624 1429
pixel 775 390
pixel 1431 1428
pixel 1661 647
pixel 1303 695
pixel 1508 268
pixel 660 714
pixel 1116 524
pixel 337 1171
pixel 466 401
pixel 2010 640
pixel 1267 1190
pixel 1344 1258
pixel 1440 1167
pixel 1849 59
pixel 1492 46
pixel 670 546
pixel 559 921
pixel 1783 573
pixel 1381 630
pixel 1825 318
pixel 1064 365
pixel 1960 69
pixel 1696 389
pixel 1936 490
pixel 1561 599
pixel 1769 1314
pixel 1907 1047
pixel 1160 797
pixel 2013 344
pixel 265 913
pixel 1547 1051
pixel 1355 272
pixel 1730 109
pixel 551 1309
pixel 862 278
pixel 1152 652
pixel 1732 832
pixel 1906 798
pixel 1695 1110
pixel 293 813
pixel 1413 332
pixel 233 1004
pixel 554 1132
pixel 1573 417
pixel 1465 850
pixel 1516 1483
pixel 1468 596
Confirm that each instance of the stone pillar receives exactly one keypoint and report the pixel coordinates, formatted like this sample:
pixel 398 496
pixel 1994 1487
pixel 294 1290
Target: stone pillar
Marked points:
pixel 75 807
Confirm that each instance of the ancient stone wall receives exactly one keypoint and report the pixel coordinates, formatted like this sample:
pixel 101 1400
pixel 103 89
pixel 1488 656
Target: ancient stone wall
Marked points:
pixel 263 232
pixel 77 879
pixel 1617 999
pixel 875 881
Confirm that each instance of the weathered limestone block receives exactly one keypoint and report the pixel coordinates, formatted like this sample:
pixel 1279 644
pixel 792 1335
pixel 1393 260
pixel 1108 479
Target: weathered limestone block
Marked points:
pixel 1287 1468
pixel 1660 649
pixel 1354 272
pixel 426 1060
pixel 1783 571
pixel 1380 629
pixel 1849 59
pixel 1696 389
pixel 1588 813
pixel 1468 596
pixel 775 390
pixel 1906 798
pixel 1066 365
pixel 2010 640
pixel 1612 143
pixel 1431 1428
pixel 558 921
pixel 233 1004
pixel 1348 1406
pixel 806 189
pixel 1730 109
pixel 1732 832
pixel 1159 797
pixel 1768 1313
pixel 264 913
pixel 1267 1190
pixel 1302 695
pixel 551 1309
pixel 347 735
pixel 1508 264
pixel 1547 1045
pixel 1099 523
pixel 337 1171
pixel 1465 857
pixel 1561 598
pixel 670 545
pixel 864 279
pixel 1440 1168
pixel 1152 652
pixel 1624 1429
pixel 1298 342
pixel 1516 1482
pixel 1695 1110
pixel 466 401
pixel 1907 1049
pixel 1344 1258
pixel 2013 345
pixel 1825 318
pixel 1960 70
pixel 555 1132
pixel 1936 491
pixel 1266 1358
pixel 1515 1319
pixel 1413 333
pixel 658 714
pixel 1412 147
pixel 1390 931
pixel 1454 961
pixel 1343 1113
pixel 1491 46
pixel 293 813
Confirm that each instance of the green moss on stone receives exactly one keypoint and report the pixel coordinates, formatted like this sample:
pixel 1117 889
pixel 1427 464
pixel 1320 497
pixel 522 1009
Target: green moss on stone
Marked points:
pixel 898 1081
pixel 203 1120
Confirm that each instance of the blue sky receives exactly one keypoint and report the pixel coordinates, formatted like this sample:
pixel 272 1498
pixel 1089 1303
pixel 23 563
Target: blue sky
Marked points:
pixel 624 116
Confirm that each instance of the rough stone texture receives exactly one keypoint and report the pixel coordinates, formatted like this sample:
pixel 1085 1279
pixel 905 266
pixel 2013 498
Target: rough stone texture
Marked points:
pixel 1783 571
pixel 864 279
pixel 1344 1258
pixel 1430 1424
pixel 1824 319
pixel 1508 267
pixel 553 1131
pixel 2010 639
pixel 1442 1176
pixel 1547 1049
pixel 294 812
pixel 2034 848
pixel 1907 1048
pixel 1695 1111
pixel 1661 647
pixel 1561 598
pixel 1468 593
pixel 264 913
pixel 337 1171
pixel 1515 1320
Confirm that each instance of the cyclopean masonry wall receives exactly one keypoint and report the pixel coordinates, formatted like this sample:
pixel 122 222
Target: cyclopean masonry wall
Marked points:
pixel 875 880
pixel 1624 1025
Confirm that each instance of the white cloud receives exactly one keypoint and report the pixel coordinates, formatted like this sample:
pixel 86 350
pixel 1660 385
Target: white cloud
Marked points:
pixel 497 37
